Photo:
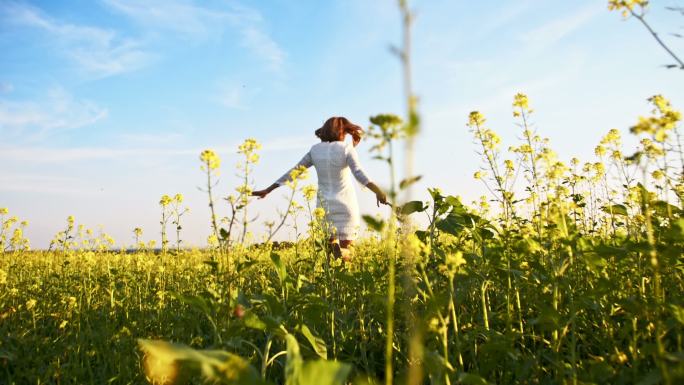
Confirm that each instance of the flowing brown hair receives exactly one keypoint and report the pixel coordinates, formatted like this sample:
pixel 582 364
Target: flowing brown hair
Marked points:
pixel 335 128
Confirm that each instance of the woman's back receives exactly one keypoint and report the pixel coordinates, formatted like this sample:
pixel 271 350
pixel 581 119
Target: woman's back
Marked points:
pixel 333 162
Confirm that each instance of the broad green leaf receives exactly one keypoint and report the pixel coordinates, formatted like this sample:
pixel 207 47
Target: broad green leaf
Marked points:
pixel 193 301
pixel 409 181
pixel 251 320
pixel 279 266
pixel 317 343
pixel 293 366
pixel 412 207
pixel 616 210
pixel 165 362
pixel 471 379
pixel 373 223
pixel 322 372
pixel 223 233
pixel 678 313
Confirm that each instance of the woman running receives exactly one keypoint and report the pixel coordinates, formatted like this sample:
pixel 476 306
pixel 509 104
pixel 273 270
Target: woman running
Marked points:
pixel 335 161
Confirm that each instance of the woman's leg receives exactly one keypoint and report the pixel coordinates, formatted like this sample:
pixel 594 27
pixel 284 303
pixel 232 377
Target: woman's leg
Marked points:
pixel 335 247
pixel 346 249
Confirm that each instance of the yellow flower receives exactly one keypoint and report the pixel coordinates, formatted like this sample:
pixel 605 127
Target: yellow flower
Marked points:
pixel 178 198
pixel 626 6
pixel 210 160
pixel 3 277
pixel 30 304
pixel 309 192
pixel 657 174
pixel 520 100
pixel 4 211
pixel 212 240
pixel 510 166
pixel 319 213
pixel 476 119
pixel 165 200
pixel 600 151
pixel 70 220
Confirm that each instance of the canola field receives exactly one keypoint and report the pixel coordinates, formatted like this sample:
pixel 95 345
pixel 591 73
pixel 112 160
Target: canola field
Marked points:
pixel 567 273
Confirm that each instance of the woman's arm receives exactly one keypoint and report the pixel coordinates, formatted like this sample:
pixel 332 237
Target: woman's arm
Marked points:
pixel 263 193
pixel 355 166
pixel 305 162
pixel 360 175
pixel 379 194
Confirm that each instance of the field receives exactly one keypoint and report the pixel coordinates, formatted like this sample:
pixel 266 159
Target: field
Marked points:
pixel 566 273
pixel 578 281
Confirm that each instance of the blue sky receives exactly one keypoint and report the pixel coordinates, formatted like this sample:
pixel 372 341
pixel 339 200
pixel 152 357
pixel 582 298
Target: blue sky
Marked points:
pixel 105 105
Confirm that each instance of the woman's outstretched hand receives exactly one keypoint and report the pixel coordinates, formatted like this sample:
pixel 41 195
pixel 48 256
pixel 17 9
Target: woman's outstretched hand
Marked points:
pixel 381 198
pixel 262 193
pixel 379 194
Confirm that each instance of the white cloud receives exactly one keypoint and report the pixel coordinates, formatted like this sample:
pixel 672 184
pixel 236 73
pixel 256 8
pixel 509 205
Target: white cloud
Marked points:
pixel 99 52
pixel 199 21
pixel 39 183
pixel 6 88
pixel 554 30
pixel 57 111
pixel 39 154
pixel 236 96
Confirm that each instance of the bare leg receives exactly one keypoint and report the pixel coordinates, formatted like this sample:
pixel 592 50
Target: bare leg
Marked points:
pixel 345 251
pixel 335 247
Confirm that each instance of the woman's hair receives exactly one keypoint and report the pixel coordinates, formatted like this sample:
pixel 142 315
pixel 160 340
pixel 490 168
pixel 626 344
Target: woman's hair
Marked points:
pixel 336 128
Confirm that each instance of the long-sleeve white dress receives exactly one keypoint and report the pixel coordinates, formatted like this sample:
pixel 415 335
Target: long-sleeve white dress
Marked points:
pixel 333 162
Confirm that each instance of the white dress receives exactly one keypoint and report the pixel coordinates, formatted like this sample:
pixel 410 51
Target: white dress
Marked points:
pixel 334 163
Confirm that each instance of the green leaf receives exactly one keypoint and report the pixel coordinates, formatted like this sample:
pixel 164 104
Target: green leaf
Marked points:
pixel 652 378
pixel 279 266
pixel 293 366
pixel 664 209
pixel 409 181
pixel 223 233
pixel 677 312
pixel 317 343
pixel 175 363
pixel 412 207
pixel 194 301
pixel 251 320
pixel 471 379
pixel 616 210
pixel 373 223
pixel 322 372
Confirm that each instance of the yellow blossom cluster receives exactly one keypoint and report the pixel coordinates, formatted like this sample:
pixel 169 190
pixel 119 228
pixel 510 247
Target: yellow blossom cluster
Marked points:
pixel 663 120
pixel 249 148
pixel 297 174
pixel 210 161
pixel 521 105
pixel 309 192
pixel 165 200
pixel 626 6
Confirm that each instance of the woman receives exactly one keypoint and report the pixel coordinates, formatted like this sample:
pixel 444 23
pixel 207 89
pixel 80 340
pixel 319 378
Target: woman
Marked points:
pixel 333 160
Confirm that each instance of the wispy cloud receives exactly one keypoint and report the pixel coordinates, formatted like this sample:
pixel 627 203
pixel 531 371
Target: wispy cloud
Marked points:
pixel 99 52
pixel 554 30
pixel 58 110
pixel 40 154
pixel 193 20
pixel 6 88
pixel 39 183
pixel 236 96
